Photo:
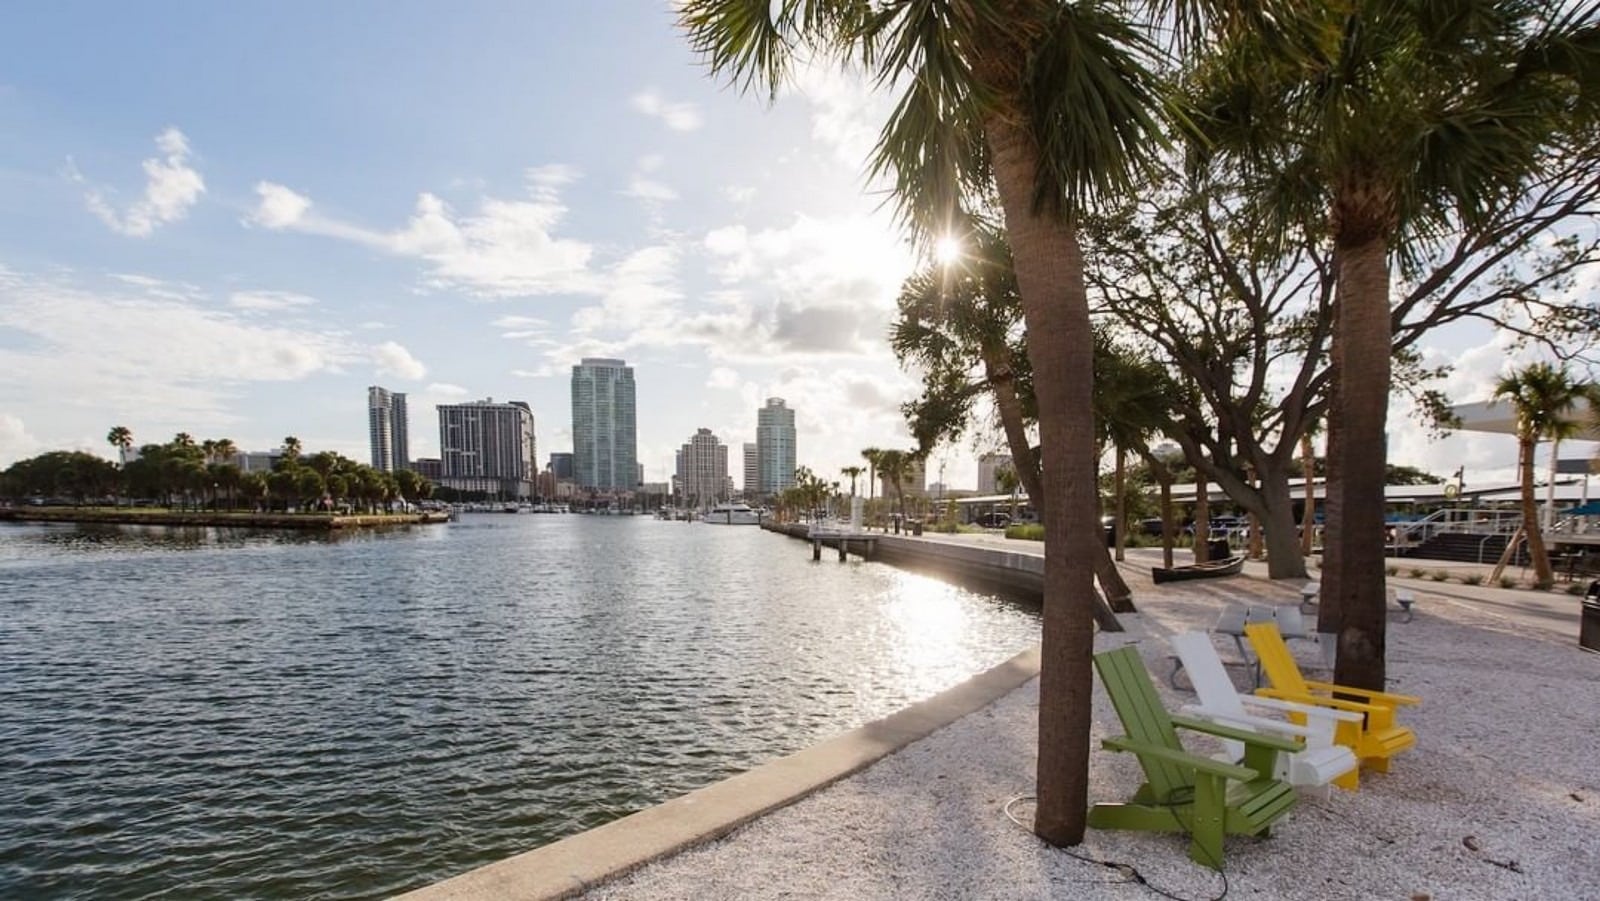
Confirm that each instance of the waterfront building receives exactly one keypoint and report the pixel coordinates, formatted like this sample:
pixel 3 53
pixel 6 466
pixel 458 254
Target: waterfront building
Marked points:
pixel 430 468
pixel 561 465
pixel 752 471
pixel 702 471
pixel 775 447
pixel 487 446
pixel 988 465
pixel 387 429
pixel 605 446
pixel 257 461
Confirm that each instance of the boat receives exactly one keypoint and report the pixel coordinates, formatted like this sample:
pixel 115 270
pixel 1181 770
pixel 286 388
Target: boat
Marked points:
pixel 731 513
pixel 1230 566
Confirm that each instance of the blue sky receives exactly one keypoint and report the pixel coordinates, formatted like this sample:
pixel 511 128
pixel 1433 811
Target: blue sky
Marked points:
pixel 230 220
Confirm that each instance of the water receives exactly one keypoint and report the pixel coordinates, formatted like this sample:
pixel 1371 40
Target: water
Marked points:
pixel 247 714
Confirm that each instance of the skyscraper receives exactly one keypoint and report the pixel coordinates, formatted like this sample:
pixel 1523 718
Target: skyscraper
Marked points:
pixel 703 470
pixel 485 446
pixel 605 444
pixel 752 470
pixel 561 465
pixel 988 466
pixel 775 446
pixel 387 429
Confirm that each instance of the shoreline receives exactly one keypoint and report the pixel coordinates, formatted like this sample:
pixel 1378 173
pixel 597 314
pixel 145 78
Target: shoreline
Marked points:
pixel 137 516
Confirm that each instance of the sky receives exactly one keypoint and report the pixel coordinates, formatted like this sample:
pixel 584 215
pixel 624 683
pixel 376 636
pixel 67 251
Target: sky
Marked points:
pixel 230 219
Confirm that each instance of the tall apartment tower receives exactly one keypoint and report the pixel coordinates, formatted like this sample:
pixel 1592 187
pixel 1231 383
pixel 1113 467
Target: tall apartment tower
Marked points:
pixel 703 470
pixel 387 429
pixel 988 465
pixel 605 436
pixel 752 470
pixel 775 446
pixel 485 446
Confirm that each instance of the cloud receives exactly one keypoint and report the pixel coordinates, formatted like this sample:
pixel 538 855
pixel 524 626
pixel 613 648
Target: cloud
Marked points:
pixel 15 442
pixel 739 194
pixel 393 359
pixel 171 187
pixel 723 377
pixel 184 360
pixel 506 249
pixel 677 116
pixel 645 189
pixel 268 301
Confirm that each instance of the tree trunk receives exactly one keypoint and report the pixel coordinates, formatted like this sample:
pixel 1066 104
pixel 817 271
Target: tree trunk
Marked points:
pixel 1049 264
pixel 1353 580
pixel 1308 516
pixel 1166 521
pixel 1118 596
pixel 1284 560
pixel 1202 518
pixel 1543 577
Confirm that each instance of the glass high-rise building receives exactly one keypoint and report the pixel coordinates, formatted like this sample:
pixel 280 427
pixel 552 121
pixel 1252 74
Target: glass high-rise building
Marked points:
pixel 775 446
pixel 605 436
pixel 387 429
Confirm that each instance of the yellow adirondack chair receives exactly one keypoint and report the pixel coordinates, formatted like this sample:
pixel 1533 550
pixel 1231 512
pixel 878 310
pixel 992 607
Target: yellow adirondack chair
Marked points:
pixel 1374 739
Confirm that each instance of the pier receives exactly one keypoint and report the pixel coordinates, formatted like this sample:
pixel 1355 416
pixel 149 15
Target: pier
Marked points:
pixel 1005 569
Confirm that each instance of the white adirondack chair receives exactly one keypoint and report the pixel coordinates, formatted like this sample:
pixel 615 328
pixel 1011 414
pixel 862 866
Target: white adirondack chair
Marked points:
pixel 1318 763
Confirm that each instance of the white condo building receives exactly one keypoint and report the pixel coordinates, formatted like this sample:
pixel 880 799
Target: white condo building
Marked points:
pixel 387 429
pixel 605 437
pixel 485 446
pixel 988 465
pixel 775 446
pixel 703 470
pixel 752 471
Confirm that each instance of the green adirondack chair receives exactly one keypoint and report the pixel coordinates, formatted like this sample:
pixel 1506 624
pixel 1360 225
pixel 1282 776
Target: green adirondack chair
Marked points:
pixel 1186 792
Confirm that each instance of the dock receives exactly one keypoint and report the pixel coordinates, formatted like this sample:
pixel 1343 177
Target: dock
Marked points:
pixel 1015 569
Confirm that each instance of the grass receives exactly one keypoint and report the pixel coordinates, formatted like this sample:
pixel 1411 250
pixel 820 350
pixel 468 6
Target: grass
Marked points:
pixel 1028 531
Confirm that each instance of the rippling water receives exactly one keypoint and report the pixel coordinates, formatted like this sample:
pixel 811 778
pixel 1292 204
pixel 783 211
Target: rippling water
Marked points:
pixel 247 714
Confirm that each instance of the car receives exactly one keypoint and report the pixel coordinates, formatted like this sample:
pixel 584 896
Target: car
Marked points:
pixel 994 520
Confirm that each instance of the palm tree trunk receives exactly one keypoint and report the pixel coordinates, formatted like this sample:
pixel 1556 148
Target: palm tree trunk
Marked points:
pixel 1353 578
pixel 1166 520
pixel 1002 382
pixel 1543 577
pixel 1118 525
pixel 1049 264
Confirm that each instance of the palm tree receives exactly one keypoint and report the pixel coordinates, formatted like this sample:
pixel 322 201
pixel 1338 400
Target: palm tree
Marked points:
pixel 183 439
pixel 121 438
pixel 1415 122
pixel 225 450
pixel 871 454
pixel 854 472
pixel 1543 397
pixel 1053 105
pixel 291 450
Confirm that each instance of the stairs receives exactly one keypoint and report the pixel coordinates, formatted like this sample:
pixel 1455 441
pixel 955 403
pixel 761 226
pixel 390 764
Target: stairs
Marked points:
pixel 1465 547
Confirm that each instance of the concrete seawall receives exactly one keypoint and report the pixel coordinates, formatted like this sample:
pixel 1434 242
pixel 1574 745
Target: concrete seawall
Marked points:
pixel 144 517
pixel 1017 573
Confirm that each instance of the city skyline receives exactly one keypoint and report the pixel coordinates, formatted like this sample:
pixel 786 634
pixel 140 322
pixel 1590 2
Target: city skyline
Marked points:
pixel 419 227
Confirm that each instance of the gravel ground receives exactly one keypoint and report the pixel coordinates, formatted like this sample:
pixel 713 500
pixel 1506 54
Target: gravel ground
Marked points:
pixel 1499 800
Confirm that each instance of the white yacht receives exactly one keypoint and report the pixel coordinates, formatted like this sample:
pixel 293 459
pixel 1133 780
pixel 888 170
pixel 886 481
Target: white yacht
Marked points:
pixel 731 513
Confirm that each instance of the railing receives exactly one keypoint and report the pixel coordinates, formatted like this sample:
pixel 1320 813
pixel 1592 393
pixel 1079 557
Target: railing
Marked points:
pixel 1459 519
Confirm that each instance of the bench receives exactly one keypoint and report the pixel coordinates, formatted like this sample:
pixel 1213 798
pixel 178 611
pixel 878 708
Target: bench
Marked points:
pixel 1231 622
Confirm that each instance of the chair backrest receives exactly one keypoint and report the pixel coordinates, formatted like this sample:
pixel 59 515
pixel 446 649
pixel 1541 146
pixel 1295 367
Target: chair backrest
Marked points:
pixel 1144 719
pixel 1206 672
pixel 1291 622
pixel 1276 661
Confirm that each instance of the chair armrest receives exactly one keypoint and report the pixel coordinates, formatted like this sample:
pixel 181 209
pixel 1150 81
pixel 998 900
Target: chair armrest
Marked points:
pixel 1247 721
pixel 1320 701
pixel 1293 707
pixel 1244 735
pixel 1374 697
pixel 1182 758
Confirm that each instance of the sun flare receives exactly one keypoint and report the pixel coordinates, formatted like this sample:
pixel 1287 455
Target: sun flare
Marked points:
pixel 947 250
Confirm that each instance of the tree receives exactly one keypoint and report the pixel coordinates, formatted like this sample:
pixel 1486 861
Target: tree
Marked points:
pixel 1052 104
pixel 1543 397
pixel 121 438
pixel 291 450
pixel 1422 119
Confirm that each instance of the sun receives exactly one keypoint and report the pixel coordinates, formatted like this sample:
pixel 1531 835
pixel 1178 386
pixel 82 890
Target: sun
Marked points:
pixel 947 250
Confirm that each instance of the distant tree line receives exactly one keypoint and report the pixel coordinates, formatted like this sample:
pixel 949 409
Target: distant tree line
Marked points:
pixel 186 474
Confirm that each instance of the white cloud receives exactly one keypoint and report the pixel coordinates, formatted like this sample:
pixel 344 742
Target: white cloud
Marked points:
pixel 645 189
pixel 722 377
pixel 268 301
pixel 506 249
pixel 171 187
pixel 739 194
pixel 15 442
pixel 393 359
pixel 677 116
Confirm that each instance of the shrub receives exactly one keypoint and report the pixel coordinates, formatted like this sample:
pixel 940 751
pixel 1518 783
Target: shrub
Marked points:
pixel 1473 579
pixel 1028 531
pixel 1391 570
pixel 1508 582
pixel 1438 575
pixel 1576 588
pixel 1416 572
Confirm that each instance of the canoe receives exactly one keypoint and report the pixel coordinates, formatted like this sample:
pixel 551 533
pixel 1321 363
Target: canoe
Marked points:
pixel 1228 567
